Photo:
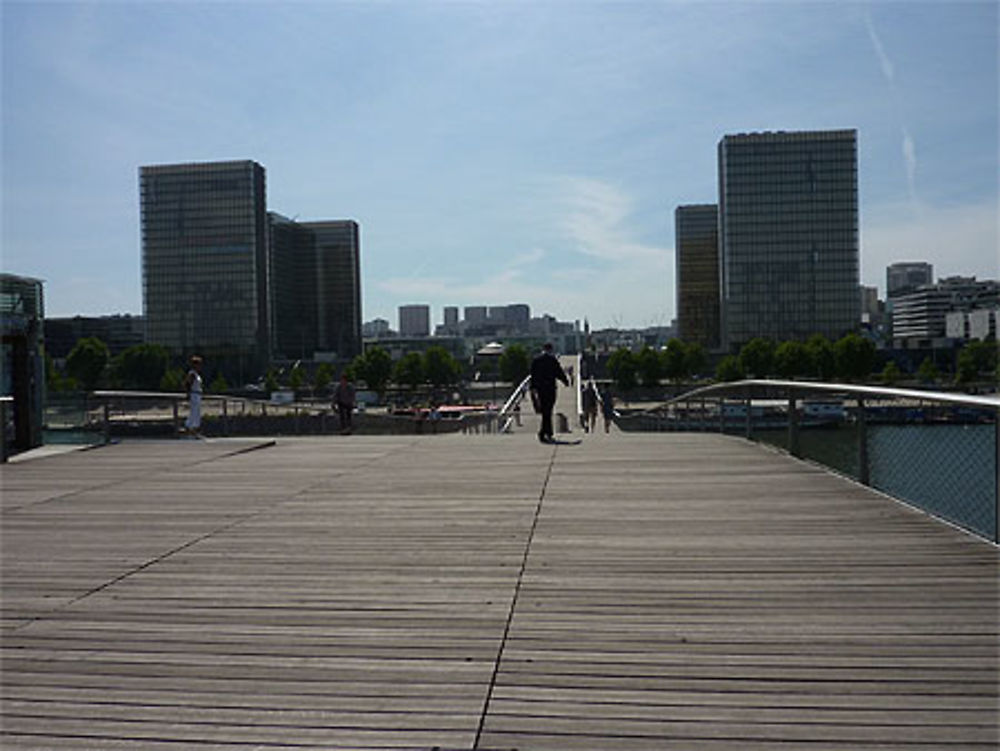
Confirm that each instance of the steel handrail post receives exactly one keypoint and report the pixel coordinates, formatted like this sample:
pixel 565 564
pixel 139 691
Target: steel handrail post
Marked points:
pixel 748 402
pixel 864 467
pixel 793 427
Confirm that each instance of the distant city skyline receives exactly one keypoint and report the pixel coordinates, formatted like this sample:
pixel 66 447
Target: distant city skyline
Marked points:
pixel 490 152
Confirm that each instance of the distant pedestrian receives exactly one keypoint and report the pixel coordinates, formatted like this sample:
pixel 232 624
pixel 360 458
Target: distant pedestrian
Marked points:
pixel 344 398
pixel 193 386
pixel 545 371
pixel 589 398
pixel 607 409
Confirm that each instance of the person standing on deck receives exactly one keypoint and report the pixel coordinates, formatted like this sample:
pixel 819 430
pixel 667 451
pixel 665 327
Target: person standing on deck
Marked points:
pixel 344 398
pixel 545 371
pixel 193 386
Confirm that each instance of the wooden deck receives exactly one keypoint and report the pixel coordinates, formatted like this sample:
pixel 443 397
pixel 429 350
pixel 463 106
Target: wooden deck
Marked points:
pixel 457 592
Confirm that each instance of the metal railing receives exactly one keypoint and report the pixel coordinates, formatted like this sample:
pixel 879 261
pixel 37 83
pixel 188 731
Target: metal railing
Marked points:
pixel 510 409
pixel 937 451
pixel 150 414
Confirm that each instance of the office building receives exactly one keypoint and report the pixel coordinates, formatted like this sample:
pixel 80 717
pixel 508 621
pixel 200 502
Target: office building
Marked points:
pixel 291 289
pixel 22 366
pixel 338 286
pixel 414 320
pixel 920 317
pixel 788 235
pixel 205 261
pixel 696 235
pixel 902 278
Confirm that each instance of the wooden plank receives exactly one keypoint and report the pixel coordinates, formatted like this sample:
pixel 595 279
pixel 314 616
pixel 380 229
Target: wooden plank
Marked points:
pixel 678 590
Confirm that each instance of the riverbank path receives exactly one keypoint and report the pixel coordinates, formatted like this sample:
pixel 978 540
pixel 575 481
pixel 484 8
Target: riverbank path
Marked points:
pixel 637 591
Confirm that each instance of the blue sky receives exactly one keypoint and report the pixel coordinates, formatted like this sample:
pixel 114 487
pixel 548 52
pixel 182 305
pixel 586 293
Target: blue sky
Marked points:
pixel 493 152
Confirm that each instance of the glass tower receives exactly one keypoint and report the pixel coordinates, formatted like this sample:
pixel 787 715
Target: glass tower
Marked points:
pixel 788 235
pixel 337 274
pixel 204 261
pixel 696 234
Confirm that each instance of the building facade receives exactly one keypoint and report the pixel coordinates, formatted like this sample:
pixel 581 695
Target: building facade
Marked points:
pixel 901 278
pixel 920 318
pixel 414 320
pixel 696 236
pixel 205 261
pixel 338 286
pixel 788 235
pixel 22 366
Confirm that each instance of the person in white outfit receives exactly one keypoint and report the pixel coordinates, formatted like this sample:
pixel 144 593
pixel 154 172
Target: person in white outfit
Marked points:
pixel 193 385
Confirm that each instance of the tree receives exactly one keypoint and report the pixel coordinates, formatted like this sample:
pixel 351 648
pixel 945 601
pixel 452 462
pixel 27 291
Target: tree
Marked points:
pixel 975 359
pixel 172 380
pixel 791 359
pixel 648 367
pixel 515 364
pixel 928 372
pixel 757 357
pixel 440 367
pixel 142 366
pixel 219 384
pixel 324 376
pixel 854 356
pixel 821 357
pixel 296 378
pixel 730 368
pixel 622 367
pixel 675 356
pixel 891 373
pixel 88 361
pixel 695 359
pixel 409 370
pixel 374 367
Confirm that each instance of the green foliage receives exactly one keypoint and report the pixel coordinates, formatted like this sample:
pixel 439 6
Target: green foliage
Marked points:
pixel 56 380
pixel 854 356
pixel 648 367
pixel 440 367
pixel 975 360
pixel 515 364
pixel 142 366
pixel 695 359
pixel 891 374
pixel 623 368
pixel 324 376
pixel 271 381
pixel 821 357
pixel 296 378
pixel 928 372
pixel 88 361
pixel 792 359
pixel 374 367
pixel 409 370
pixel 730 368
pixel 674 360
pixel 219 384
pixel 172 380
pixel 757 357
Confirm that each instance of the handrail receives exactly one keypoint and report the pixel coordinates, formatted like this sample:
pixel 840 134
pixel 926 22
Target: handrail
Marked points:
pixel 513 401
pixel 884 454
pixel 971 400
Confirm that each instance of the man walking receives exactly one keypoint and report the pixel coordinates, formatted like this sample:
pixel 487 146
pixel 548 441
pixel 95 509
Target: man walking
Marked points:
pixel 545 370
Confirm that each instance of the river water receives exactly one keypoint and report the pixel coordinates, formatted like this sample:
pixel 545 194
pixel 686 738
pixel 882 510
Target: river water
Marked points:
pixel 948 470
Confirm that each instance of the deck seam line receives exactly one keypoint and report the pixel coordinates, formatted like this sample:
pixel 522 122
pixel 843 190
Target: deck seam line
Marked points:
pixel 513 601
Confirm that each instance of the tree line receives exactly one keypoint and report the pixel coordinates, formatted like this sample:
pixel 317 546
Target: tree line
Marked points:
pixel 151 367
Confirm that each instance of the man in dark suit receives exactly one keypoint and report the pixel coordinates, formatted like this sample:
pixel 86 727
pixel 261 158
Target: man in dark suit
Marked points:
pixel 545 370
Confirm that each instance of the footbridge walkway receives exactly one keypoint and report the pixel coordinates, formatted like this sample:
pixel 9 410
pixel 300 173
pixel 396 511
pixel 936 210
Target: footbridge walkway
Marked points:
pixel 636 591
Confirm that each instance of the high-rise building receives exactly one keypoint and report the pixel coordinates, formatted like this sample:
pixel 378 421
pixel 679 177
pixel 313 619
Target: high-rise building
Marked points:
pixel 414 320
pixel 788 223
pixel 901 278
pixel 338 286
pixel 451 317
pixel 292 309
pixel 696 234
pixel 205 260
